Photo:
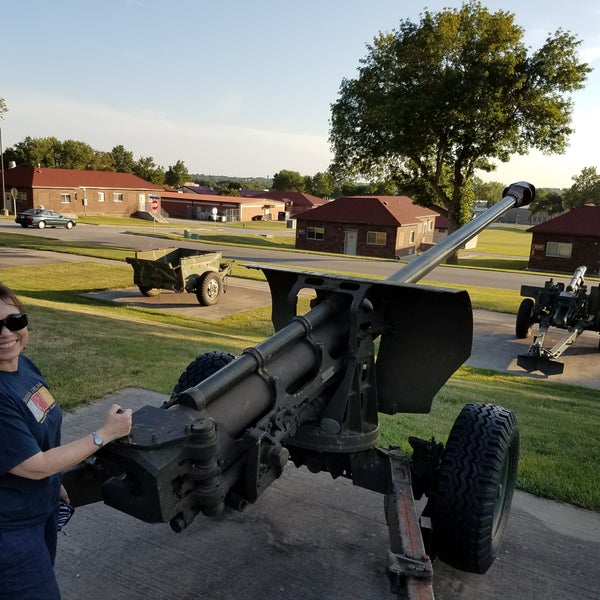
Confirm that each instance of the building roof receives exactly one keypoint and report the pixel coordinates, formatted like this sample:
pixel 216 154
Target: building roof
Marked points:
pixel 212 198
pixel 582 221
pixel 42 177
pixel 292 198
pixel 370 210
pixel 197 189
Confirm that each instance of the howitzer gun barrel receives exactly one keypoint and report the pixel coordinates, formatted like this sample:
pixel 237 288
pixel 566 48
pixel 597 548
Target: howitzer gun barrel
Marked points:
pixel 515 195
pixel 244 394
pixel 577 280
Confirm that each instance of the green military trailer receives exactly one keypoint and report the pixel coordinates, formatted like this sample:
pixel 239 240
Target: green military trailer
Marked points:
pixel 181 270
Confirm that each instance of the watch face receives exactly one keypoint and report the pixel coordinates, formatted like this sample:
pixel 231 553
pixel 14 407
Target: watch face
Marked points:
pixel 98 439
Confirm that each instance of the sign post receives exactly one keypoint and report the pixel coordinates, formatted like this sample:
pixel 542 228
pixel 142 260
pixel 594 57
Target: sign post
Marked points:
pixel 154 207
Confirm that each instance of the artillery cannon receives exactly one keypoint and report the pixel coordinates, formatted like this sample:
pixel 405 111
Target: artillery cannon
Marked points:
pixel 572 309
pixel 311 394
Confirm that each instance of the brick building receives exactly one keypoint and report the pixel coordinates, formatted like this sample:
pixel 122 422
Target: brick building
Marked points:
pixel 568 241
pixel 220 208
pixel 378 226
pixel 75 192
pixel 296 203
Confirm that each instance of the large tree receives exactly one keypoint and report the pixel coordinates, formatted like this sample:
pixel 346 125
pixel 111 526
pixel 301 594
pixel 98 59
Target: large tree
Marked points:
pixel 147 169
pixel 288 181
pixel 34 152
pixel 3 108
pixel 585 189
pixel 489 192
pixel 320 185
pixel 437 100
pixel 177 174
pixel 547 201
pixel 122 159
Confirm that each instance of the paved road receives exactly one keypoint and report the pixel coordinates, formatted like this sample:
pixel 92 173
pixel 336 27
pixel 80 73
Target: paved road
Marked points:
pixel 116 236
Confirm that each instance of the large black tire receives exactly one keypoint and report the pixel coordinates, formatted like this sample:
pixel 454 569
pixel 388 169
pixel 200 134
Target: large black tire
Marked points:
pixel 41 224
pixel 69 225
pixel 474 487
pixel 524 319
pixel 148 291
pixel 200 368
pixel 209 289
pixel 25 225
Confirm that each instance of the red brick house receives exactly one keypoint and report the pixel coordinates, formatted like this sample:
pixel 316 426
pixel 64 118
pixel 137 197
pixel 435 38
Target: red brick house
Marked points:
pixel 378 226
pixel 568 241
pixel 220 208
pixel 295 202
pixel 74 192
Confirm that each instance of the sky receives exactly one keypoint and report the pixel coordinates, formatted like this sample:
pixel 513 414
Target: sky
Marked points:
pixel 237 87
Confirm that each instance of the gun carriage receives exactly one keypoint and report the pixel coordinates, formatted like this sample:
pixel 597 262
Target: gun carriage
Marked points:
pixel 311 394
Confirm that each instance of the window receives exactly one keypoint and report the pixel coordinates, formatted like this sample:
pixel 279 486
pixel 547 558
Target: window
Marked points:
pixel 412 237
pixel 65 198
pixel 376 238
pixel 100 196
pixel 315 233
pixel 559 249
pixel 117 197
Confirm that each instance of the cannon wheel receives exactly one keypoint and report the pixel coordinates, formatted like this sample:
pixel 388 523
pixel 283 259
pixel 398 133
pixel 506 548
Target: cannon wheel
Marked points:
pixel 210 288
pixel 524 319
pixel 148 291
pixel 474 487
pixel 199 369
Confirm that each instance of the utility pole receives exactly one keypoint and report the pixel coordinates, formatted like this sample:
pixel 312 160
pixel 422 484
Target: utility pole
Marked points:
pixel 4 211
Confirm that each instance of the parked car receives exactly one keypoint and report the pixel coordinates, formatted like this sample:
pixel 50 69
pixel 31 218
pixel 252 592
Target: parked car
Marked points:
pixel 40 217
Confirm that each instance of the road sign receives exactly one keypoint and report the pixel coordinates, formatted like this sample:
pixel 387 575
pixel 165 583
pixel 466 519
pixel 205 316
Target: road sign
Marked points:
pixel 154 205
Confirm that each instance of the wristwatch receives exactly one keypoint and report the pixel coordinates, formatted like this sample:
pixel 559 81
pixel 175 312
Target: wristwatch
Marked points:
pixel 98 439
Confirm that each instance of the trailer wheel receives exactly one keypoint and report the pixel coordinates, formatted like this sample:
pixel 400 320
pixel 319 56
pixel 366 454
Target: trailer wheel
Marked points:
pixel 199 369
pixel 209 290
pixel 474 487
pixel 524 318
pixel 148 291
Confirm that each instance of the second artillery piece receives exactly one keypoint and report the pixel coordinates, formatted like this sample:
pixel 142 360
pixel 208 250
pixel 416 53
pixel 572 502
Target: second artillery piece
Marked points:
pixel 182 270
pixel 571 308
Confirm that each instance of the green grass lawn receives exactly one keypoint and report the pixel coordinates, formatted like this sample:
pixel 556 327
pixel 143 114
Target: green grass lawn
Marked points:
pixel 504 239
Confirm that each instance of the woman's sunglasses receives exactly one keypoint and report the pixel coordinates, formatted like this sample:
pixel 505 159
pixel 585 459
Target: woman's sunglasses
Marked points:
pixel 14 322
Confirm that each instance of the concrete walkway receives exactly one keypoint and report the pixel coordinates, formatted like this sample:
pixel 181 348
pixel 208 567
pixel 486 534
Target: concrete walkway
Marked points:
pixel 309 537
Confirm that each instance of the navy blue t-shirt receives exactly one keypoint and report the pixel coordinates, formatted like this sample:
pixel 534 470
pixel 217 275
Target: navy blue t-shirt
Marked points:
pixel 30 422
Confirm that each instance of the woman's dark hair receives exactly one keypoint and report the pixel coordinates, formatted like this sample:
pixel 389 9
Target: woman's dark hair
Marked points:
pixel 9 297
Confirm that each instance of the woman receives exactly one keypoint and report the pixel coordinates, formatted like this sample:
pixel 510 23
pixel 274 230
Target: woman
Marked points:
pixel 31 460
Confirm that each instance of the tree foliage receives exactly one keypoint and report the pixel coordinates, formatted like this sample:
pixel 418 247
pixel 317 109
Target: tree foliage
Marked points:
pixel 123 160
pixel 548 201
pixel 3 108
pixel 288 181
pixel 437 100
pixel 52 153
pixel 585 189
pixel 148 170
pixel 320 184
pixel 177 175
pixel 489 192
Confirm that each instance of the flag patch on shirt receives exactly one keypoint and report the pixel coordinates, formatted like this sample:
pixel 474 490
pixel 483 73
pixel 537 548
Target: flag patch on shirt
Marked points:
pixel 40 402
